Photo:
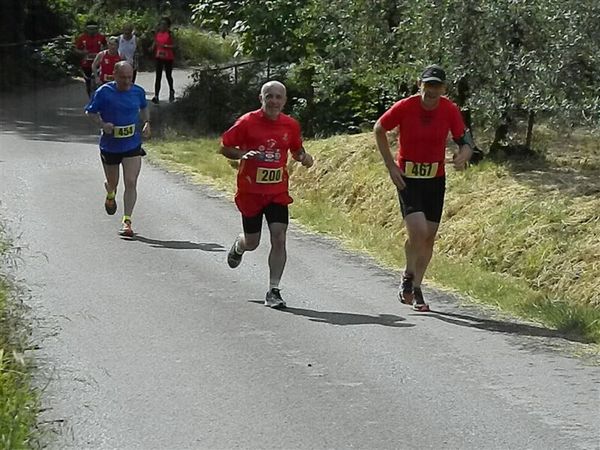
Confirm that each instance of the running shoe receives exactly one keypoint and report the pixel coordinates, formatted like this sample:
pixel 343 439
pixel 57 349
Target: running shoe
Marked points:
pixel 110 205
pixel 154 100
pixel 419 303
pixel 126 229
pixel 233 257
pixel 405 293
pixel 273 299
pixel 171 96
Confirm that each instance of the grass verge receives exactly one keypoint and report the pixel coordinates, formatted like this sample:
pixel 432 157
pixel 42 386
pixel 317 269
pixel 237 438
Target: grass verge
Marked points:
pixel 517 238
pixel 18 402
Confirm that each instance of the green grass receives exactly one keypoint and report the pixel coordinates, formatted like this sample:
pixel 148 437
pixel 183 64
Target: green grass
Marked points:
pixel 522 239
pixel 18 402
pixel 196 47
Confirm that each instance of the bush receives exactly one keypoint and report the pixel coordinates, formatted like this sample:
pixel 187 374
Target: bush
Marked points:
pixel 215 100
pixel 54 60
pixel 197 47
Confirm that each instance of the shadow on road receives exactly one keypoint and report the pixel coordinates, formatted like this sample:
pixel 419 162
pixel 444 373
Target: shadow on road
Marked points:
pixel 56 113
pixel 178 245
pixel 341 318
pixel 502 327
pixel 48 114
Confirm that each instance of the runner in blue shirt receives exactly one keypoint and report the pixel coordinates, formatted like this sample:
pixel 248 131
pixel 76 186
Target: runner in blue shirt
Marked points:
pixel 120 109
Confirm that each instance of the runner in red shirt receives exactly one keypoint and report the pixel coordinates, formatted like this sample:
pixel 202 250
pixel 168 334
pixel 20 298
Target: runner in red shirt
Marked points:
pixel 87 46
pixel 261 139
pixel 104 64
pixel 162 48
pixel 424 121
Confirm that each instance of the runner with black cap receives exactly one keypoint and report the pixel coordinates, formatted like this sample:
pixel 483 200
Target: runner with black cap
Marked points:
pixel 424 121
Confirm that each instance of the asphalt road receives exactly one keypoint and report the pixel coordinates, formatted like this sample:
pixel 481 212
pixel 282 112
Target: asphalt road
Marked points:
pixel 155 343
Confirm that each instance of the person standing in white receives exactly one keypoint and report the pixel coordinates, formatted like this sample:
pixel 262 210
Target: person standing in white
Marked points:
pixel 128 48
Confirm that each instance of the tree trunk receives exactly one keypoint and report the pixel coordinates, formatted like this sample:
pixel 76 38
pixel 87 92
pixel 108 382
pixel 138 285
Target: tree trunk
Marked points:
pixel 530 121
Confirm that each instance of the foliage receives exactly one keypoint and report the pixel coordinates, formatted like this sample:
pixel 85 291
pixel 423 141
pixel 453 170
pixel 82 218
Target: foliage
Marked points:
pixel 19 406
pixel 54 60
pixel 197 47
pixel 46 22
pixel 266 28
pixel 504 57
pixel 213 101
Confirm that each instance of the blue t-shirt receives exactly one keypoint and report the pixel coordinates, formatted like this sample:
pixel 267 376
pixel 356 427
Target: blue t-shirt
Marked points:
pixel 121 108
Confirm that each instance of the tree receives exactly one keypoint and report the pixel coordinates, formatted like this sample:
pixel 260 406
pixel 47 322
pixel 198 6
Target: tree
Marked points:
pixel 508 60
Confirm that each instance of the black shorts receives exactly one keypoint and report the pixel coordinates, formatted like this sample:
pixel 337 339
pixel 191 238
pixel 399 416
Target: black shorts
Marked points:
pixel 423 195
pixel 113 159
pixel 274 213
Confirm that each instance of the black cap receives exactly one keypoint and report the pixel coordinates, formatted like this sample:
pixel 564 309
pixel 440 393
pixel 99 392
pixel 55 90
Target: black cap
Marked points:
pixel 433 74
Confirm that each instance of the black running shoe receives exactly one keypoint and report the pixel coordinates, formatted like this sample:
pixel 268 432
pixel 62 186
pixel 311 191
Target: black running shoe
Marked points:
pixel 233 257
pixel 419 302
pixel 110 205
pixel 405 293
pixel 273 299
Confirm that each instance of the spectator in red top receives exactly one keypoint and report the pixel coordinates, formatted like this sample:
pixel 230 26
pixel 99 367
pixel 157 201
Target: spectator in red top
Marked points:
pixel 424 121
pixel 261 139
pixel 104 63
pixel 87 46
pixel 162 49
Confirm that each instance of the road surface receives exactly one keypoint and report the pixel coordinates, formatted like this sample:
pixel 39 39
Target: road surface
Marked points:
pixel 155 343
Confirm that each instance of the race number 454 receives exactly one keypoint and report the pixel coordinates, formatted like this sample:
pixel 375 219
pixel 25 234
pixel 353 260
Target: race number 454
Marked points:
pixel 124 132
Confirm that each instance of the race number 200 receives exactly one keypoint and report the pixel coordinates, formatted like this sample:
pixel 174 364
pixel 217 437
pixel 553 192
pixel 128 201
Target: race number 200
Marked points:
pixel 268 176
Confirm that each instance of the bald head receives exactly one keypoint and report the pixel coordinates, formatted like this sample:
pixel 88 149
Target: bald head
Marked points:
pixel 272 98
pixel 123 66
pixel 123 73
pixel 272 84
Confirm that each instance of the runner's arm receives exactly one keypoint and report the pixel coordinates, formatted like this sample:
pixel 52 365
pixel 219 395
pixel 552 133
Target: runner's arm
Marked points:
pixel 384 148
pixel 79 49
pixel 145 116
pixel 232 152
pixel 95 64
pixel 236 153
pixel 465 150
pixel 303 157
pixel 96 119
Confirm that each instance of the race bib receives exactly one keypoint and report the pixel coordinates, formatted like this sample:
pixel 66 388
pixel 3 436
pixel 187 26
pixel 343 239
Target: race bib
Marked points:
pixel 109 77
pixel 268 176
pixel 124 132
pixel 420 170
pixel 161 54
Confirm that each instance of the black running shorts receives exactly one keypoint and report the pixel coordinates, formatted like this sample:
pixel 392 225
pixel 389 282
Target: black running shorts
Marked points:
pixel 423 195
pixel 273 212
pixel 113 159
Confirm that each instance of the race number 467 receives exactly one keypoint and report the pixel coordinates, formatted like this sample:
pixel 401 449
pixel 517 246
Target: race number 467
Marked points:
pixel 420 170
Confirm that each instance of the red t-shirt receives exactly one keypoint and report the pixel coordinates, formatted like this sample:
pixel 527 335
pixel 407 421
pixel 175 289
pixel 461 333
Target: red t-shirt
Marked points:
pixel 161 39
pixel 91 44
pixel 255 131
pixel 423 133
pixel 107 66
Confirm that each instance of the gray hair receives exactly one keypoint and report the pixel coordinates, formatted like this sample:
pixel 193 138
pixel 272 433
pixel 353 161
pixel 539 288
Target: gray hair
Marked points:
pixel 270 84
